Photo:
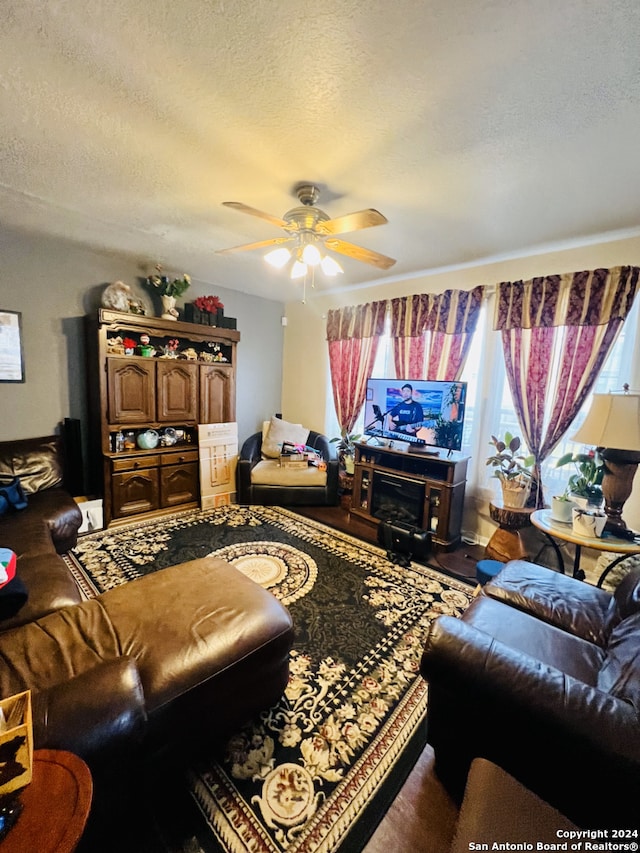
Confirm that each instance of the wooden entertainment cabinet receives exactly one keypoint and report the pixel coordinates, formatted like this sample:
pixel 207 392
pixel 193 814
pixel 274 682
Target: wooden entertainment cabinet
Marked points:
pixel 133 393
pixel 428 486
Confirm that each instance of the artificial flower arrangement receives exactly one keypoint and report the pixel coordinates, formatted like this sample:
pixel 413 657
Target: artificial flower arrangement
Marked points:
pixel 208 303
pixel 165 286
pixel 129 345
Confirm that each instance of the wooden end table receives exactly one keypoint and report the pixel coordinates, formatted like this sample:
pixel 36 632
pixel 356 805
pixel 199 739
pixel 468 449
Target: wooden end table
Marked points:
pixel 553 530
pixel 55 805
pixel 506 543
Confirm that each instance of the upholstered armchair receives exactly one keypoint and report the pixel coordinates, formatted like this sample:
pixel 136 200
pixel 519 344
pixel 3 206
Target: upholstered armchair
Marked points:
pixel 541 676
pixel 262 480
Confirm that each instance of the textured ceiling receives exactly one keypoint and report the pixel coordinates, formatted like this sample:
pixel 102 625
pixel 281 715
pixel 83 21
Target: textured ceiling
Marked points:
pixel 479 128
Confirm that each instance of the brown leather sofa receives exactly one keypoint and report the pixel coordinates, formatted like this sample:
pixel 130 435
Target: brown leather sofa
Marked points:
pixel 180 655
pixel 541 675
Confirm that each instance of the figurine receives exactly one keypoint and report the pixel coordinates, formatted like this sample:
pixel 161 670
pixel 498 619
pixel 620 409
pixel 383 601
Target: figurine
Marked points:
pixel 116 296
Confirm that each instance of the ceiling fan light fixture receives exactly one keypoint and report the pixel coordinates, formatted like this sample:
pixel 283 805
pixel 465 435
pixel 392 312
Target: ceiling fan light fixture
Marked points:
pixel 311 255
pixel 298 270
pixel 330 267
pixel 278 257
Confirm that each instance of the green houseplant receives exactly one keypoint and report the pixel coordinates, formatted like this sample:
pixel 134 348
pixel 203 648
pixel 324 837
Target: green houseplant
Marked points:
pixel 346 449
pixel 512 468
pixel 586 481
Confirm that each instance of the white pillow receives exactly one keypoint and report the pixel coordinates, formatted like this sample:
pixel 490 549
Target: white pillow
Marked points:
pixel 281 431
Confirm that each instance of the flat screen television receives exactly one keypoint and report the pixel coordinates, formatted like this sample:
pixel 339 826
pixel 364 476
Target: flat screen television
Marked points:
pixel 420 411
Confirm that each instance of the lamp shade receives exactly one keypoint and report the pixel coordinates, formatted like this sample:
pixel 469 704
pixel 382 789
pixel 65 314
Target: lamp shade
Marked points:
pixel 613 421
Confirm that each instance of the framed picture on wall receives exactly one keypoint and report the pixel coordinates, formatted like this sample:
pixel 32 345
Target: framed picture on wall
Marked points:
pixel 11 356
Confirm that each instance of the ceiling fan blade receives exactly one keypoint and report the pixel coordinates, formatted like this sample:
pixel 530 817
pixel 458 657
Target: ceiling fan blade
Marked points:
pixel 252 211
pixel 352 222
pixel 360 254
pixel 247 247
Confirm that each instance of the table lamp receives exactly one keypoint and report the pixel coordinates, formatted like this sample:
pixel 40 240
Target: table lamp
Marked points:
pixel 613 426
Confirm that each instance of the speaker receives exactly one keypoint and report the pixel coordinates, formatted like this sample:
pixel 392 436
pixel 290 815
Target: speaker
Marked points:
pixel 73 466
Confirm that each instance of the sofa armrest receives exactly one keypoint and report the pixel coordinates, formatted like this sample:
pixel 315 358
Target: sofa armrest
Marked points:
pixel 250 455
pixel 100 715
pixel 329 453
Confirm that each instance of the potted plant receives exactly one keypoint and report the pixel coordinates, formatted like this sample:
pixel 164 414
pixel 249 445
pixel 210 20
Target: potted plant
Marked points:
pixel 513 469
pixel 585 484
pixel 561 506
pixel 346 449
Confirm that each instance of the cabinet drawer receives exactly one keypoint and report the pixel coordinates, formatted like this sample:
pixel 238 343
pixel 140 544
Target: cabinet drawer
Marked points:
pixel 134 463
pixel 178 457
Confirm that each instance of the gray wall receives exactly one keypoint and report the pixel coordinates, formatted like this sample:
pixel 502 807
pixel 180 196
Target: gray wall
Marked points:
pixel 55 283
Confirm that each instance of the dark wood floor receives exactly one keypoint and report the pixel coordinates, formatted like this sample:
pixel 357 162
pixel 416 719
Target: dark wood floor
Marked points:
pixel 422 817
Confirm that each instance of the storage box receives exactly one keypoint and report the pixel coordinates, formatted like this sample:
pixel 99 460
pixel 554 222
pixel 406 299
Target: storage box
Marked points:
pixel 92 515
pixel 192 314
pixel 218 447
pixel 16 742
pixel 294 460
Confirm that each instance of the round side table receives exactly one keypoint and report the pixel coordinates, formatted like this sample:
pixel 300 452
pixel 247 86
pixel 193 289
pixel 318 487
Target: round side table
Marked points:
pixel 506 543
pixel 55 805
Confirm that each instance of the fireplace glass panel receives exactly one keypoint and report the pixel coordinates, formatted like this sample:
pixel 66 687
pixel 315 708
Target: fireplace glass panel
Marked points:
pixel 397 498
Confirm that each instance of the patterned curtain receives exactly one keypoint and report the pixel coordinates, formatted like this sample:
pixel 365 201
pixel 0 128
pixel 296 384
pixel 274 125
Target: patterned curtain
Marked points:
pixel 579 313
pixel 432 332
pixel 353 334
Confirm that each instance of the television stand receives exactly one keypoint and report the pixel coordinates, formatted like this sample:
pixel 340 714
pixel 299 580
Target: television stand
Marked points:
pixel 427 486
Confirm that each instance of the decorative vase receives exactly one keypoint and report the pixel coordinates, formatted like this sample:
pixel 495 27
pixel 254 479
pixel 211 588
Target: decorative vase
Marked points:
pixel 169 308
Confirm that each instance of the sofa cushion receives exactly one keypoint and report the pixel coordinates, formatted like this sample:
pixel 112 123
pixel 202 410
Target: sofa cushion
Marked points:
pixel 552 646
pixel 279 432
pixel 269 472
pixel 37 461
pixel 49 586
pixel 620 672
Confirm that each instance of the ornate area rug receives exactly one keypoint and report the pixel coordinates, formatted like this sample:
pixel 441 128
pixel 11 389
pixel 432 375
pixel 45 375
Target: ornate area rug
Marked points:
pixel 315 773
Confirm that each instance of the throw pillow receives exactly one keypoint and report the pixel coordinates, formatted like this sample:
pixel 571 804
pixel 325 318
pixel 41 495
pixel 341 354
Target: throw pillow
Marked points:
pixel 281 431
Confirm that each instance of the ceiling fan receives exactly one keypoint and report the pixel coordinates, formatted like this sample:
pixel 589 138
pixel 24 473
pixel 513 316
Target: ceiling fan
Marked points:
pixel 306 228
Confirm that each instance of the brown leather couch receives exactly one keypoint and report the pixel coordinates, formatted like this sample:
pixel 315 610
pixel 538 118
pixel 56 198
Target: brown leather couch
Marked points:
pixel 180 655
pixel 541 675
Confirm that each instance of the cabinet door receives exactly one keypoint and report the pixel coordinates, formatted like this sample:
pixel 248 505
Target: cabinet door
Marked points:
pixel 178 484
pixel 217 394
pixel 177 391
pixel 134 492
pixel 132 390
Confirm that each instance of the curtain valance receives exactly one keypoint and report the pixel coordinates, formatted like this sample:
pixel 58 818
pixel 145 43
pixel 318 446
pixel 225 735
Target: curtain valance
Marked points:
pixel 356 321
pixel 588 298
pixel 452 312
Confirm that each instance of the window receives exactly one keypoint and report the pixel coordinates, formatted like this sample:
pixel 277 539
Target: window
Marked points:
pixel 489 407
